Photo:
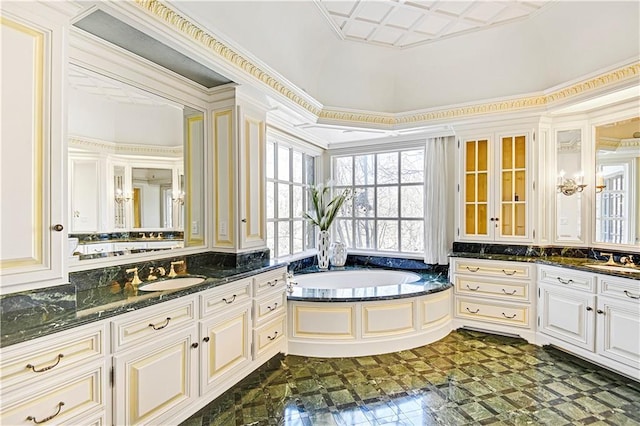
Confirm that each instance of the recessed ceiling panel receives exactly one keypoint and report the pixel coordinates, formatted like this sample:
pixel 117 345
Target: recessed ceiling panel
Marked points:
pixel 105 26
pixel 419 21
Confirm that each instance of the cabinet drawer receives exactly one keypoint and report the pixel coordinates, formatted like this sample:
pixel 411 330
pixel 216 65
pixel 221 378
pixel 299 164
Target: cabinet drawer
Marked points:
pixel 567 278
pixel 229 296
pixel 152 322
pixel 269 281
pixel 619 288
pixel 497 288
pixel 95 248
pixel 268 336
pixel 59 402
pixel 493 268
pixel 501 313
pixel 269 307
pixel 25 363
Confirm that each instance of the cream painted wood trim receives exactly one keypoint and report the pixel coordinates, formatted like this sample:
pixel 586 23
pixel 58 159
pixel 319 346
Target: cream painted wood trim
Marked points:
pixel 181 24
pixel 190 240
pixel 221 239
pixel 259 231
pixel 102 146
pixel 37 191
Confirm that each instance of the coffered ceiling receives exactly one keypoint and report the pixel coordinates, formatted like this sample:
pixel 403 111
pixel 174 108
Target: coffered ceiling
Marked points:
pixel 404 23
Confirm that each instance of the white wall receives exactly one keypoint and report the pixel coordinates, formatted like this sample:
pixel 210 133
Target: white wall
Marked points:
pixel 565 41
pixel 94 116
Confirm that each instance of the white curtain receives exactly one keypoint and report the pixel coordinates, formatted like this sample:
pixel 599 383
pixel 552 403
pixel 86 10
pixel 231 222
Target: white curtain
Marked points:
pixel 436 216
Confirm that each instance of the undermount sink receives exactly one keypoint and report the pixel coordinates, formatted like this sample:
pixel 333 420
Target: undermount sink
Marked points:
pixel 171 284
pixel 614 268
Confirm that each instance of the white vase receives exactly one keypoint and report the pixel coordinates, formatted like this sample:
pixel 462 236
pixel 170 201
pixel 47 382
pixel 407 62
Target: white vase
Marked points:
pixel 338 254
pixel 323 249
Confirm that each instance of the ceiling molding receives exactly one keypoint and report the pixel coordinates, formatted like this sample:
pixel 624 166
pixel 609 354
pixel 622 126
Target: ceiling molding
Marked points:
pixel 379 119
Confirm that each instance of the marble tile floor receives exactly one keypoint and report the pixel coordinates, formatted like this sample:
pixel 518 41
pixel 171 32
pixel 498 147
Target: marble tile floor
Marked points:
pixel 467 378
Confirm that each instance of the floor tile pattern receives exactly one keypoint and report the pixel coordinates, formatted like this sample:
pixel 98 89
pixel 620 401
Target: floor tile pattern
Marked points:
pixel 466 378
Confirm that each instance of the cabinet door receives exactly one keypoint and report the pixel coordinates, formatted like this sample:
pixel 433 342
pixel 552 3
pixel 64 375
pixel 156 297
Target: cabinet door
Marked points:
pixel 619 331
pixel 475 207
pixel 31 154
pixel 511 216
pixel 155 379
pixel 567 315
pixel 84 194
pixel 252 180
pixel 225 347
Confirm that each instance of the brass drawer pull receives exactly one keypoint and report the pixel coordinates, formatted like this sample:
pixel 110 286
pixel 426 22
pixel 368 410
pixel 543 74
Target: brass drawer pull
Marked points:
pixel 569 281
pixel 272 283
pixel 473 289
pixel 230 301
pixel 46 419
pixel 274 336
pixel 162 326
pixel 626 293
pixel 509 274
pixel 43 369
pixel 509 294
pixel 472 312
pixel 473 270
pixel 508 317
pixel 275 306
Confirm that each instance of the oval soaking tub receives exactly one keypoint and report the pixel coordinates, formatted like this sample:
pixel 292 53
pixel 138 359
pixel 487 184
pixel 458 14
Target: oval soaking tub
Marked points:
pixel 366 312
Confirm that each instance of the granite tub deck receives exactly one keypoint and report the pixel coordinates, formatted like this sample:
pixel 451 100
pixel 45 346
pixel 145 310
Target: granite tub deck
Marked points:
pixel 29 315
pixel 430 282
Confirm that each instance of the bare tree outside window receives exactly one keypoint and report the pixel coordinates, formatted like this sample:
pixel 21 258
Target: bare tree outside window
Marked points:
pixel 386 212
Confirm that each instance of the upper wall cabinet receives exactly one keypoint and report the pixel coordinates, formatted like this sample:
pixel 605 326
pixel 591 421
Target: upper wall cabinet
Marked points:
pixel 239 138
pixel 494 185
pixel 32 215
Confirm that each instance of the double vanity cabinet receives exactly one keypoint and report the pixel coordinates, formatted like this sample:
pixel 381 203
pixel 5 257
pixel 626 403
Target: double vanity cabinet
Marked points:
pixel 594 316
pixel 155 365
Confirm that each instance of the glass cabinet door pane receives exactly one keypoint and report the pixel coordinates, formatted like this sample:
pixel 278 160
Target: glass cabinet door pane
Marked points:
pixel 513 187
pixel 476 187
pixel 483 155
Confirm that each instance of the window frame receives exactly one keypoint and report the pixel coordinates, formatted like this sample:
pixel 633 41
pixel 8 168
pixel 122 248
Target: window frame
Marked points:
pixel 274 223
pixel 376 218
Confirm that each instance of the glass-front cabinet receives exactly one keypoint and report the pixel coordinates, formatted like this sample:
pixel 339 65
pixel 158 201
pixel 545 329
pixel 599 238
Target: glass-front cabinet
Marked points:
pixel 494 188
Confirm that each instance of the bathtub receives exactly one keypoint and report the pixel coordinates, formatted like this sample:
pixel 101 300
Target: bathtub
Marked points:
pixel 365 312
pixel 355 279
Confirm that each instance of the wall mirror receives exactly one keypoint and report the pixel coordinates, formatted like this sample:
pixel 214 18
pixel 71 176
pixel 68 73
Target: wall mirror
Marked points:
pixel 569 165
pixel 617 200
pixel 136 168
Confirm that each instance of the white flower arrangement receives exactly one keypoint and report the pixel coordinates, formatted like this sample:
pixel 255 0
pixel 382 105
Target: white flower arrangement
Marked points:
pixel 323 213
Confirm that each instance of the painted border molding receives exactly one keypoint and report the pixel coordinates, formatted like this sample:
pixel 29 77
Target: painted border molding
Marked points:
pixel 384 120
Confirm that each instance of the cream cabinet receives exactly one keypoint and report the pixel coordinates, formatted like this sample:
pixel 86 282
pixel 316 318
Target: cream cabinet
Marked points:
pixel 155 362
pixel 173 358
pixel 495 187
pixel 269 314
pixel 58 379
pixel 225 334
pixel 239 204
pixel 494 296
pixel 33 217
pixel 594 316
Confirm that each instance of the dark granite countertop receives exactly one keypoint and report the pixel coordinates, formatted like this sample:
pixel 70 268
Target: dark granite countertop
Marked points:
pixel 430 282
pixel 98 303
pixel 581 264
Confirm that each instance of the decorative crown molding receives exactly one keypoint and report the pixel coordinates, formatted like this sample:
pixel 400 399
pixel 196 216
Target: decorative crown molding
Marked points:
pixel 102 146
pixel 295 95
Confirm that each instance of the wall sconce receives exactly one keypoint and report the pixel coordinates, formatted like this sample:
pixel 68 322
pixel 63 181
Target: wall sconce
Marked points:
pixel 178 197
pixel 121 197
pixel 570 186
pixel 600 186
